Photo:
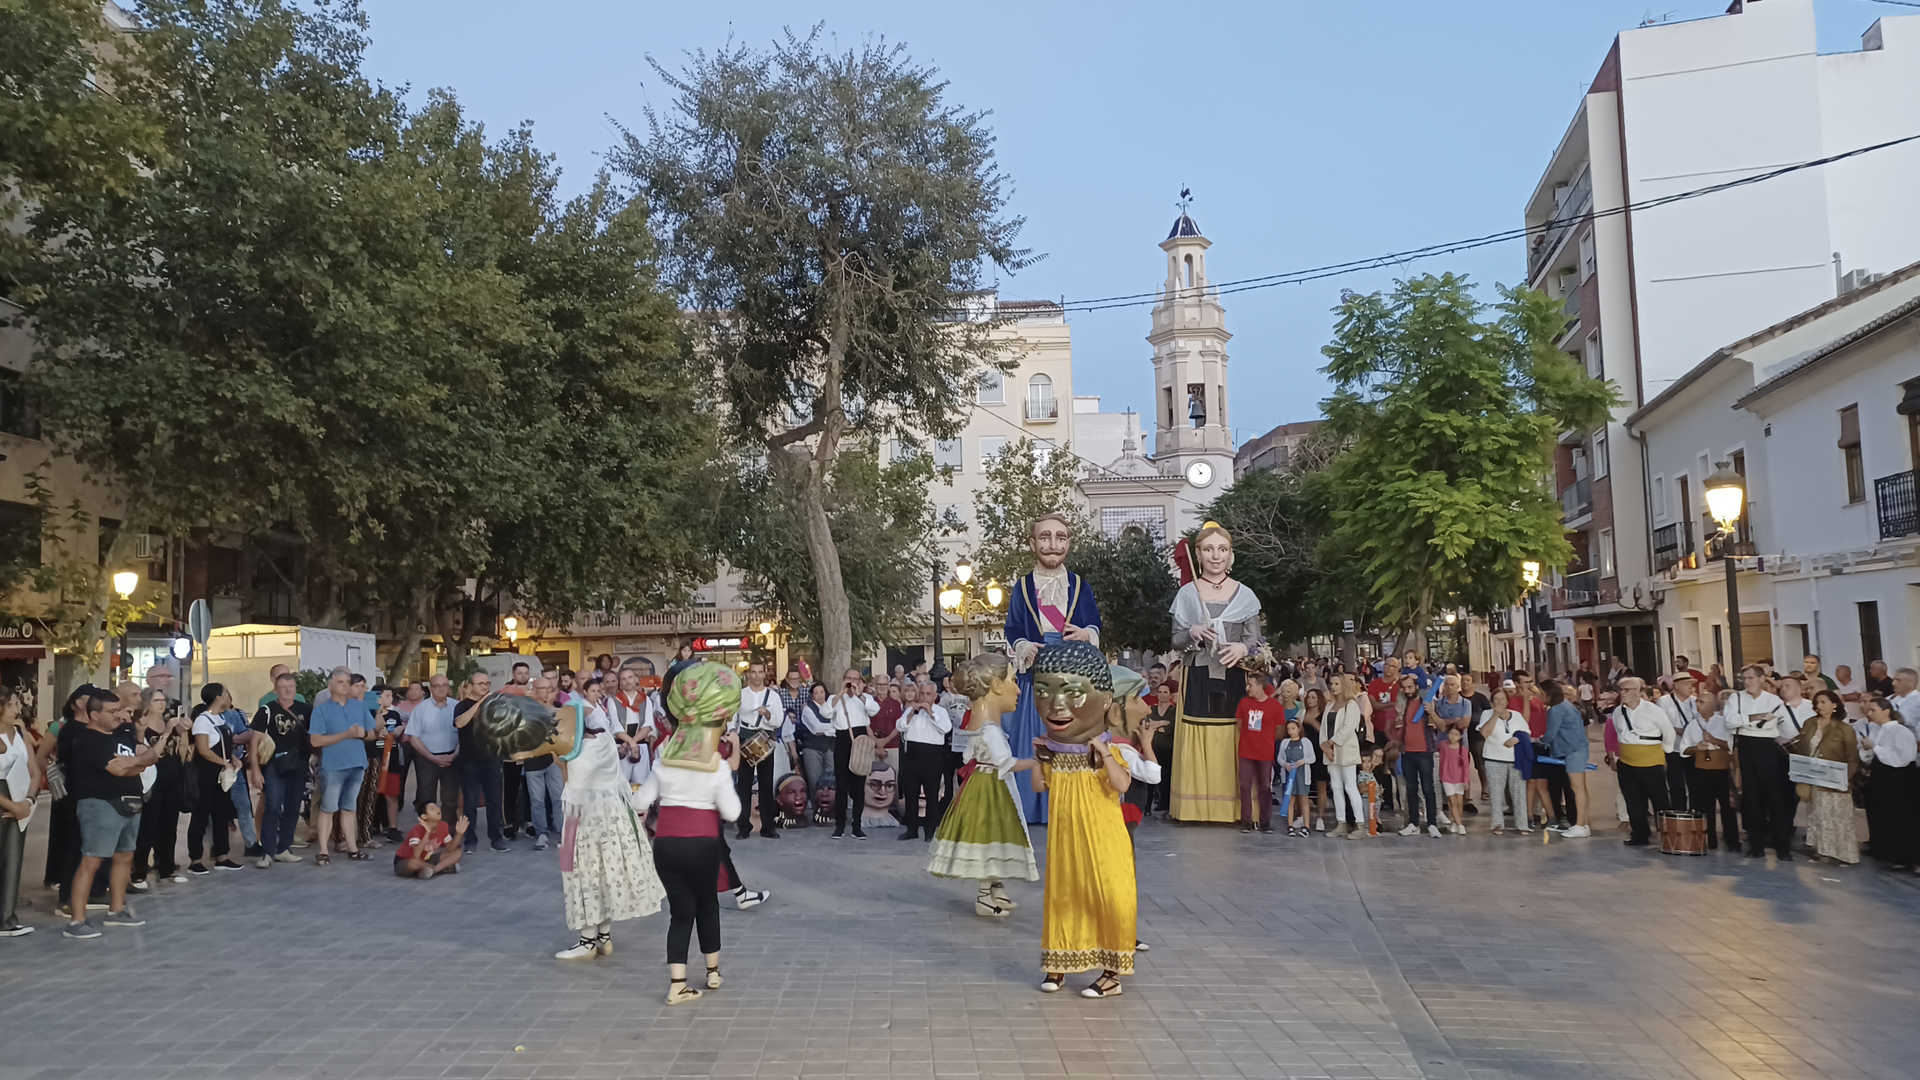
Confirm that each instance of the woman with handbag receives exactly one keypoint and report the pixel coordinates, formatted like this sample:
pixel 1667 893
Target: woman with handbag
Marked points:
pixel 19 775
pixel 1830 820
pixel 213 808
pixel 170 796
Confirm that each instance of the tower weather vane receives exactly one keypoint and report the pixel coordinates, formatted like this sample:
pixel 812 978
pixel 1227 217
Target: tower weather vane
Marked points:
pixel 1186 199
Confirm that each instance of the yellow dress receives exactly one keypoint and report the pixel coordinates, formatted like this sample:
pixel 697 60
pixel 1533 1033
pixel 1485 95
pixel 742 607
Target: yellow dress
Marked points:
pixel 1206 748
pixel 1087 923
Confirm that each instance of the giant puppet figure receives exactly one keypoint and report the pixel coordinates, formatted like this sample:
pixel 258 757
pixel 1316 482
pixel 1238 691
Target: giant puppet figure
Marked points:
pixel 1050 605
pixel 983 835
pixel 1216 627
pixel 1087 922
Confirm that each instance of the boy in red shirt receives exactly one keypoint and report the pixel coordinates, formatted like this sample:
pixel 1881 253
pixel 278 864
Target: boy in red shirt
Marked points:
pixel 1261 720
pixel 429 848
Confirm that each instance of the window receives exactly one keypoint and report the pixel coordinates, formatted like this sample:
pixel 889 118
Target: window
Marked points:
pixel 1870 647
pixel 16 418
pixel 947 455
pixel 1719 644
pixel 1042 452
pixel 1040 402
pixel 1606 553
pixel 993 388
pixel 1117 519
pixel 1586 255
pixel 953 514
pixel 1600 453
pixel 1595 360
pixel 1221 417
pixel 1659 496
pixel 19 538
pixel 1197 404
pixel 990 448
pixel 1189 261
pixel 1167 393
pixel 901 450
pixel 1851 461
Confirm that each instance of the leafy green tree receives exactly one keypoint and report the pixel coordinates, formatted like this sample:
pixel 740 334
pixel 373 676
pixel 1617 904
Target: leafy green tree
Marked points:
pixel 832 219
pixel 1132 575
pixel 881 517
pixel 1278 526
pixel 1449 414
pixel 1025 480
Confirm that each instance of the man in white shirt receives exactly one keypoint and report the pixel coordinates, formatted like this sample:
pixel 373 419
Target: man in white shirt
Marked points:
pixel 1708 748
pixel 1906 698
pixel 852 709
pixel 761 713
pixel 1852 694
pixel 1758 723
pixel 1680 706
pixel 923 757
pixel 1645 736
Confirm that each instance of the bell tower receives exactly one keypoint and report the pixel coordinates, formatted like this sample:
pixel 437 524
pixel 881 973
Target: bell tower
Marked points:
pixel 1189 339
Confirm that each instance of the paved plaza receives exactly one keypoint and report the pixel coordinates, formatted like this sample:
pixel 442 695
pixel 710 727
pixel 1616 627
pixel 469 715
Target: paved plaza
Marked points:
pixel 1390 958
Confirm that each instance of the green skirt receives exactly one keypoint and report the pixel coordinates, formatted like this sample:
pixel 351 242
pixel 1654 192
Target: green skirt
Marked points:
pixel 983 834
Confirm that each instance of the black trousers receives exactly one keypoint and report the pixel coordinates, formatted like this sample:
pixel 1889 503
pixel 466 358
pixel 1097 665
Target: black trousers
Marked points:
pixel 1764 793
pixel 920 765
pixel 1679 767
pixel 1710 791
pixel 480 779
pixel 1559 790
pixel 513 796
pixel 436 784
pixel 214 808
pixel 950 777
pixel 846 785
pixel 688 867
pixel 160 825
pixel 743 782
pixel 13 856
pixel 1643 786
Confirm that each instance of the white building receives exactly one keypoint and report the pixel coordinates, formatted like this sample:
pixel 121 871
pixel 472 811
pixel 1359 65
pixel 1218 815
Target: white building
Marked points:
pixel 1674 108
pixel 1838 401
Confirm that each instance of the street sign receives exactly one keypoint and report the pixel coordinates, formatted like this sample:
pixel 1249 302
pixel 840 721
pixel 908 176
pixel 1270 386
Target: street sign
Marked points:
pixel 1347 627
pixel 199 622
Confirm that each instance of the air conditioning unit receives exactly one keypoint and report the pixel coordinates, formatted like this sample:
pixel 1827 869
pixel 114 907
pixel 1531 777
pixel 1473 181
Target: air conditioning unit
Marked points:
pixel 144 546
pixel 1854 280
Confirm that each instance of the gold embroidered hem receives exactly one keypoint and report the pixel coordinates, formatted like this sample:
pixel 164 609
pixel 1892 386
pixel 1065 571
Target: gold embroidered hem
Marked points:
pixel 1078 960
pixel 1091 901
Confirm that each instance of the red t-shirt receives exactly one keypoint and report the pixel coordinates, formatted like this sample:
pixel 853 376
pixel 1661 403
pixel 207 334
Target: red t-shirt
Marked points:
pixel 1382 692
pixel 1536 711
pixel 887 720
pixel 1412 735
pixel 1261 723
pixel 418 845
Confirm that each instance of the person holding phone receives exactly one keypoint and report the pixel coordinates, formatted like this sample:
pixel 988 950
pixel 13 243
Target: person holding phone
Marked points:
pixel 853 710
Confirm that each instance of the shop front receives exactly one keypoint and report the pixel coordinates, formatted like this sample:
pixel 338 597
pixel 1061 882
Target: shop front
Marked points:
pixel 23 657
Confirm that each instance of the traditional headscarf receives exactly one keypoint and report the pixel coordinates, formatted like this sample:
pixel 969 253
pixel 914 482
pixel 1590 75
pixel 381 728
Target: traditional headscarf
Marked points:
pixel 1127 682
pixel 701 693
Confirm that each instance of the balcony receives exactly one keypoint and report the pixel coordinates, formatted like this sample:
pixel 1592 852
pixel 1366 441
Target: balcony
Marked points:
pixel 1568 211
pixel 1895 503
pixel 1042 410
pixel 591 623
pixel 1579 589
pixel 1500 623
pixel 1576 500
pixel 1672 545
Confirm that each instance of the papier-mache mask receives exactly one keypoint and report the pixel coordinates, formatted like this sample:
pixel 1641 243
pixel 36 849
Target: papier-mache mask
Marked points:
pixel 508 725
pixel 988 682
pixel 700 698
pixel 1072 687
pixel 1129 708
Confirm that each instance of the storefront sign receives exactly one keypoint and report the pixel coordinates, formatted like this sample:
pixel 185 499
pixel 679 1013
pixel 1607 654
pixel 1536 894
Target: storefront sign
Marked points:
pixel 20 639
pixel 709 644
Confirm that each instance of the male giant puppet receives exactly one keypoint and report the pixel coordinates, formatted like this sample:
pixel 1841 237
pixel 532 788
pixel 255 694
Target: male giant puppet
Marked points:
pixel 1050 605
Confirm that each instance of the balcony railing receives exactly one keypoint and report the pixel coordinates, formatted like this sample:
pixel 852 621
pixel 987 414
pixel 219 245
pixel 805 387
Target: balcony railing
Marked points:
pixel 1579 588
pixel 1043 409
pixel 1576 499
pixel 1895 502
pixel 1567 213
pixel 663 622
pixel 1672 544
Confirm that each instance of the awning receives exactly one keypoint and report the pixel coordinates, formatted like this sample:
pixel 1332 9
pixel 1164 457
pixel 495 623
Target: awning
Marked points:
pixel 23 652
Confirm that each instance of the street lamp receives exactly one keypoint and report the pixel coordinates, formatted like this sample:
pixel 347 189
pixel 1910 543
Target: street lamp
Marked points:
pixel 963 571
pixel 1530 574
pixel 957 595
pixel 124 582
pixel 510 623
pixel 1726 499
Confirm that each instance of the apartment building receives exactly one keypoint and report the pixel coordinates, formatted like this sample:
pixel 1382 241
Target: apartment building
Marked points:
pixel 1651 290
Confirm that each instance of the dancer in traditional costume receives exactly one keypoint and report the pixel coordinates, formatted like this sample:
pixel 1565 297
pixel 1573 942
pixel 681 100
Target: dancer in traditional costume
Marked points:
pixel 694 787
pixel 1092 898
pixel 1216 625
pixel 1050 605
pixel 983 836
pixel 1130 732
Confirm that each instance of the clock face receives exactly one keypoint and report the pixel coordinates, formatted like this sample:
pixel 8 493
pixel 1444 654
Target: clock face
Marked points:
pixel 1200 474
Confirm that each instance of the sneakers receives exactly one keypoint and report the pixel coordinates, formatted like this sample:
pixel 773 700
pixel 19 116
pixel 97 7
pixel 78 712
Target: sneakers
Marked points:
pixel 1433 830
pixel 263 861
pixel 838 834
pixel 1320 825
pixel 124 917
pixel 178 878
pixel 139 885
pixel 501 846
pixel 1445 822
pixel 81 931
pixel 586 948
pixel 1459 829
pixel 299 844
pixel 751 898
pixel 287 856
pixel 253 851
pixel 1410 830
pixel 14 929
pixel 1577 832
pixel 859 833
pixel 540 842
pixel 228 864
pixel 199 870
pixel 395 836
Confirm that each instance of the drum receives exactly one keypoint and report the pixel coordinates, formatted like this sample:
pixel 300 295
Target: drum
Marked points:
pixel 755 749
pixel 1683 832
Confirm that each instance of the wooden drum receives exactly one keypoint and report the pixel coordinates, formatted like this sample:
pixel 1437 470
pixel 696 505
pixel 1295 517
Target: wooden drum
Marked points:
pixel 1683 832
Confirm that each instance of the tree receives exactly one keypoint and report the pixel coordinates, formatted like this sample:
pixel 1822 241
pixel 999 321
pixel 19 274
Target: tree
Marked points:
pixel 1025 480
pixel 880 516
pixel 1278 526
pixel 1132 575
pixel 830 219
pixel 1449 420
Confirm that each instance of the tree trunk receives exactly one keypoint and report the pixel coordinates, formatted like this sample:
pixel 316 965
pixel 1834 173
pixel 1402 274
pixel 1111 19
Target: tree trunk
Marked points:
pixel 836 615
pixel 417 614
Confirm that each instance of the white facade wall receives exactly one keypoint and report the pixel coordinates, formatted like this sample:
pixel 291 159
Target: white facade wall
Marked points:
pixel 1868 97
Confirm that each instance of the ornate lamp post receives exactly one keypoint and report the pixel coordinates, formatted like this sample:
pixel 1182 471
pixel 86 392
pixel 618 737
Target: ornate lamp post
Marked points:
pixel 1726 500
pixel 124 582
pixel 957 596
pixel 1530 574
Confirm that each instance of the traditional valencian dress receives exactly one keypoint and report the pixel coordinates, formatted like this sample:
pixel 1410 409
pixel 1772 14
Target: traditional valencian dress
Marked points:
pixel 606 864
pixel 1044 604
pixel 1087 923
pixel 984 836
pixel 1206 734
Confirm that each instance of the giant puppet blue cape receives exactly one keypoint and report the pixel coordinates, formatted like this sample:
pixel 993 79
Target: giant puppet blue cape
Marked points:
pixel 1024 624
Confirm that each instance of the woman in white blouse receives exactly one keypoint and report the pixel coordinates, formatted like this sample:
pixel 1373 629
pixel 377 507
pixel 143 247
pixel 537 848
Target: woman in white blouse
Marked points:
pixel 687 849
pixel 1892 787
pixel 1502 728
pixel 19 775
pixel 1340 734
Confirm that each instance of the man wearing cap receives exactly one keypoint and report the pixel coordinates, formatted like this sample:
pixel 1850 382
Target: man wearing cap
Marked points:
pixel 1645 737
pixel 1683 708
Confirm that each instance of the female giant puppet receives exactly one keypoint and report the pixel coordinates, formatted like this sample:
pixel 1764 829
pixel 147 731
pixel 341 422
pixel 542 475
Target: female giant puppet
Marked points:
pixel 1050 605
pixel 1216 624
pixel 982 835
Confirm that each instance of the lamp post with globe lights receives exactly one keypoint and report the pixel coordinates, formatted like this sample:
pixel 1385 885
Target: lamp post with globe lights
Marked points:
pixel 124 582
pixel 1726 492
pixel 957 596
pixel 1530 575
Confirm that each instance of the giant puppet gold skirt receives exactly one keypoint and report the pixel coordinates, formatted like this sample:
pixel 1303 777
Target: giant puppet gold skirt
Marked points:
pixel 1087 923
pixel 1206 746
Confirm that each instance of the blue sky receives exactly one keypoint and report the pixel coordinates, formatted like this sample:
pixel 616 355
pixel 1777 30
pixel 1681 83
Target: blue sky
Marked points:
pixel 1309 132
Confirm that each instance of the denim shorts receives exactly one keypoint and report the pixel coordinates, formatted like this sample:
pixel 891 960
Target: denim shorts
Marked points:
pixel 340 789
pixel 104 831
